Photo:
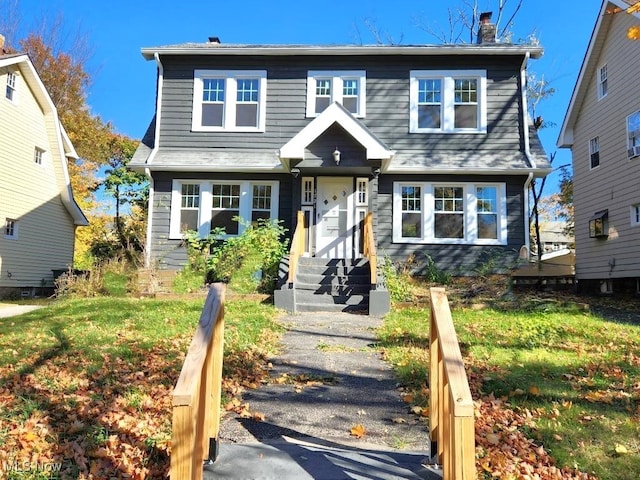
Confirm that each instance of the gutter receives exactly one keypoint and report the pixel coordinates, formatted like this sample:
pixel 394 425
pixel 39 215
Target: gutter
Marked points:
pixel 147 170
pixel 527 150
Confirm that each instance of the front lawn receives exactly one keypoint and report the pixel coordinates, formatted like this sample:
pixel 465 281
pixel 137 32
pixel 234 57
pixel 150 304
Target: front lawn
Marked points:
pixel 552 385
pixel 85 384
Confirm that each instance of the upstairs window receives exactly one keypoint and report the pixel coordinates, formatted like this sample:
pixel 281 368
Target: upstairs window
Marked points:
pixel 38 155
pixel 633 135
pixel 10 228
pixel 602 81
pixel 11 87
pixel 594 152
pixel 229 100
pixel 635 215
pixel 345 87
pixel 447 101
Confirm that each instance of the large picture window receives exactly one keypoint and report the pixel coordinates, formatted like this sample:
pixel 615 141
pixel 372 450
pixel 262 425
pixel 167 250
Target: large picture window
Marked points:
pixel 345 87
pixel 206 205
pixel 447 101
pixel 449 213
pixel 229 100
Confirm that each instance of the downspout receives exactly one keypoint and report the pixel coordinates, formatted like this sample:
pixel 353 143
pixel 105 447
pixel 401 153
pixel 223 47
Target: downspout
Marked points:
pixel 527 151
pixel 147 170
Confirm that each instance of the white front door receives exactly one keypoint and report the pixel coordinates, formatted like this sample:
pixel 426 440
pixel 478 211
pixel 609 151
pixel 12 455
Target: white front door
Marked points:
pixel 334 217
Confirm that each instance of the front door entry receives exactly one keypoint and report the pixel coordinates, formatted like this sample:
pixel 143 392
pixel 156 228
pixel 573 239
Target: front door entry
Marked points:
pixel 334 217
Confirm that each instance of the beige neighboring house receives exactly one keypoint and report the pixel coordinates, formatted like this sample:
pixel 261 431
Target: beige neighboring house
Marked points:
pixel 38 213
pixel 554 237
pixel 602 128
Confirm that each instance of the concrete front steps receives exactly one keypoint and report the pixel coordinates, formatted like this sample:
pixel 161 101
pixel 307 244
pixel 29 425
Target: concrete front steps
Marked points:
pixel 332 285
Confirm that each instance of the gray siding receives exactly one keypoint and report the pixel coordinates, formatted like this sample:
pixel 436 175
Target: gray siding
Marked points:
pixel 169 253
pixel 387 101
pixel 455 259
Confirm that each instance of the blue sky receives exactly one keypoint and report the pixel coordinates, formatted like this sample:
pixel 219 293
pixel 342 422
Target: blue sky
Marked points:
pixel 123 89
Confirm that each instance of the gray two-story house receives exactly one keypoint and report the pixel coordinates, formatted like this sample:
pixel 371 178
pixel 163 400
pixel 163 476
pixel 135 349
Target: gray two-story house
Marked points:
pixel 434 140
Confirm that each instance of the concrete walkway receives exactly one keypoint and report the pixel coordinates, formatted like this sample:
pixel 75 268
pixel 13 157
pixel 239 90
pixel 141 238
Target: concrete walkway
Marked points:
pixel 328 379
pixel 11 310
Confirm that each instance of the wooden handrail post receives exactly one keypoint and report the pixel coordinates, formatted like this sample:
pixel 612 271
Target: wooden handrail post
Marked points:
pixel 196 396
pixel 451 410
pixel 297 247
pixel 369 248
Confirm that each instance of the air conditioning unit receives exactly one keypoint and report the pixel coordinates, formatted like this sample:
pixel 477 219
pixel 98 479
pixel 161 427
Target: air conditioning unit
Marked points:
pixel 633 151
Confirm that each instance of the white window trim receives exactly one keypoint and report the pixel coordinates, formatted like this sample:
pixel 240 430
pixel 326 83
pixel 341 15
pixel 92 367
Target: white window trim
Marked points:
pixel 632 150
pixel 206 203
pixel 43 153
pixel 635 212
pixel 229 114
pixel 15 229
pixel 470 214
pixel 599 81
pixel 336 77
pixel 447 77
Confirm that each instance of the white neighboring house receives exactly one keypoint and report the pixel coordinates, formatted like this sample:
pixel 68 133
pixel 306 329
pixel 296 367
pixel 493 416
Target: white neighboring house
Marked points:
pixel 38 214
pixel 602 128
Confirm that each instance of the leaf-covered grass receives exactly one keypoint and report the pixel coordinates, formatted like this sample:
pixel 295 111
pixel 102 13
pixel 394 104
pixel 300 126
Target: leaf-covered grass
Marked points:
pixel 566 382
pixel 86 383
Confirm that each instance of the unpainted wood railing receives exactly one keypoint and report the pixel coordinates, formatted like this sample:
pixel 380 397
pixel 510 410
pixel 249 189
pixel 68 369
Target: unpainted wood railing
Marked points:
pixel 369 247
pixel 451 417
pixel 196 396
pixel 297 247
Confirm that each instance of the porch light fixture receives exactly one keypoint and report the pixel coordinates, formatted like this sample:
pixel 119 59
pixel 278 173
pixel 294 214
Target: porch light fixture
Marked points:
pixel 295 172
pixel 336 156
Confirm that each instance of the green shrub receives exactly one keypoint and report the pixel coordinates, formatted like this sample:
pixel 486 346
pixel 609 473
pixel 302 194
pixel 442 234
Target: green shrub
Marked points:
pixel 397 279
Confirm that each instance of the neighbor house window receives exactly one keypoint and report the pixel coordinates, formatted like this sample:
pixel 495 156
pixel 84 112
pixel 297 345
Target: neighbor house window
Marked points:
pixel 635 215
pixel 633 135
pixel 598 226
pixel 204 206
pixel 594 152
pixel 602 81
pixel 10 228
pixel 11 86
pixel 229 100
pixel 448 101
pixel 345 87
pixel 38 155
pixel 462 213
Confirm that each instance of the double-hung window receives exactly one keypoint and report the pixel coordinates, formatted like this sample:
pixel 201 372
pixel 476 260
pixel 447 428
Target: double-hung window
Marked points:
pixel 229 100
pixel 633 135
pixel 635 215
pixel 462 213
pixel 447 101
pixel 345 87
pixel 10 228
pixel 602 81
pixel 207 206
pixel 38 155
pixel 11 87
pixel 594 152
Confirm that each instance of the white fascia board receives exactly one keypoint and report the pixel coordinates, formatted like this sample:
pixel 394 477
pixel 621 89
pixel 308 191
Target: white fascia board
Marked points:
pixel 342 50
pixel 335 113
pixel 539 172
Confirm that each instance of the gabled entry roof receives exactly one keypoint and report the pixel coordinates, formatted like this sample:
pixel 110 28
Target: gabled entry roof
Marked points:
pixel 335 113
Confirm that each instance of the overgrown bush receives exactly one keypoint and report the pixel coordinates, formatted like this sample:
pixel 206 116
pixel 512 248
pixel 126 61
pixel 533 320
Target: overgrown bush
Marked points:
pixel 434 274
pixel 397 278
pixel 221 260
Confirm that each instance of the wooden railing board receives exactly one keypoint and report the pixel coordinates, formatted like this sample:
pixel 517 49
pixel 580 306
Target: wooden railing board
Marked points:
pixel 369 248
pixel 297 247
pixel 196 396
pixel 451 409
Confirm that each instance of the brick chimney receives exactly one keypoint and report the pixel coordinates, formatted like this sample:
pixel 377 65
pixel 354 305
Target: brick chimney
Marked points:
pixel 487 30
